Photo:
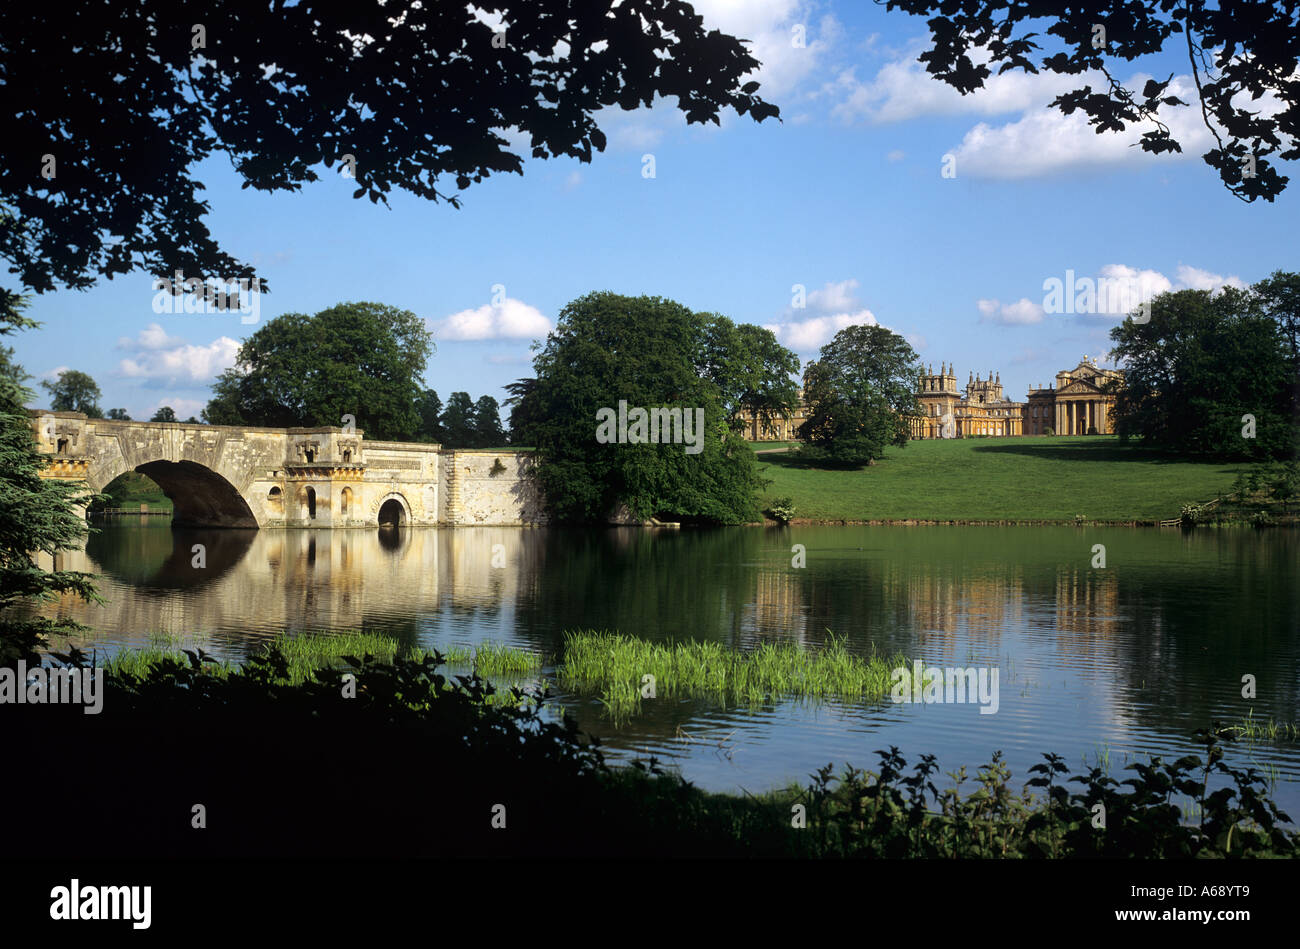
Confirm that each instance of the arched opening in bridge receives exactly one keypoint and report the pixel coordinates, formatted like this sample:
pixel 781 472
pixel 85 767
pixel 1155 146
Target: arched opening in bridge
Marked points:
pixel 128 493
pixel 345 499
pixel 275 500
pixel 200 497
pixel 311 503
pixel 63 446
pixel 391 513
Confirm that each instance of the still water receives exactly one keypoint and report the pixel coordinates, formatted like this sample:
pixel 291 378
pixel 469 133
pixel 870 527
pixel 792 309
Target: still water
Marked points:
pixel 1122 663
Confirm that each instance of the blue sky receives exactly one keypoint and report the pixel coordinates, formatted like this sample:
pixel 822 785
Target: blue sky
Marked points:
pixel 845 197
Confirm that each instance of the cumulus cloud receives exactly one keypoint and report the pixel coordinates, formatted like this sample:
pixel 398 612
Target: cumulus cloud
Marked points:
pixel 1040 140
pixel 1023 312
pixel 770 27
pixel 512 319
pixel 1115 291
pixel 1193 278
pixel 152 336
pixel 1044 141
pixel 180 364
pixel 183 407
pixel 835 307
pixel 901 89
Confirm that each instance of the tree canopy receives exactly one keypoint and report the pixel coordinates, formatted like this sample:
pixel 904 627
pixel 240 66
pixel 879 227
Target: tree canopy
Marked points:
pixel 1205 361
pixel 37 516
pixel 74 391
pixel 613 356
pixel 753 372
pixel 358 359
pixel 96 156
pixel 860 393
pixel 1237 53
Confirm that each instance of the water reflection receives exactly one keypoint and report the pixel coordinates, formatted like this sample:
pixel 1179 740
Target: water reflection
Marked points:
pixel 1132 658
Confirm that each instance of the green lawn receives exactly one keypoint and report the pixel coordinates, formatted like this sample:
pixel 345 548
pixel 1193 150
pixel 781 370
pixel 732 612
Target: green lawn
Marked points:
pixel 1032 478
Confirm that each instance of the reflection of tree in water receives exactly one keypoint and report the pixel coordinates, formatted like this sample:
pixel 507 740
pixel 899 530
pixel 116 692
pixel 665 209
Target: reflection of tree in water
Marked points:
pixel 162 558
pixel 659 585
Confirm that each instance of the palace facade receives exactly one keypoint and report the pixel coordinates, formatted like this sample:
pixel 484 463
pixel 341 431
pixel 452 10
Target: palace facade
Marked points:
pixel 780 429
pixel 1078 403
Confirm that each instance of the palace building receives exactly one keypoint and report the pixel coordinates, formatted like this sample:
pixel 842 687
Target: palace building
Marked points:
pixel 1078 403
pixel 980 410
pixel 780 429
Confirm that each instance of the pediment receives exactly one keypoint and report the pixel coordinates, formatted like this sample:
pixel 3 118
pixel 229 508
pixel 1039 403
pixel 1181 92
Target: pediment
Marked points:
pixel 1079 387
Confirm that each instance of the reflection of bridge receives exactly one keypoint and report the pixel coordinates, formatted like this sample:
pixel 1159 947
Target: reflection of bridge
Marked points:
pixel 230 476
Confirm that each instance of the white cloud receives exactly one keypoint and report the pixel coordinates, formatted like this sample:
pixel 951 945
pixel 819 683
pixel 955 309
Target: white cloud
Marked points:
pixel 807 335
pixel 512 319
pixel 55 372
pixel 184 408
pixel 768 26
pixel 182 363
pixel 1023 312
pixel 1194 278
pixel 1045 141
pixel 1116 290
pixel 838 307
pixel 1041 140
pixel 902 90
pixel 896 155
pixel 834 296
pixel 152 336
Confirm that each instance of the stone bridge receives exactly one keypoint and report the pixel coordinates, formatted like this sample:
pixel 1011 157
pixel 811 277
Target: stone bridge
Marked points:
pixel 231 476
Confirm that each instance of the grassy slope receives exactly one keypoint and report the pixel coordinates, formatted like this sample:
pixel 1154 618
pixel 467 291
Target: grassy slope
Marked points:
pixel 1032 478
pixel 132 489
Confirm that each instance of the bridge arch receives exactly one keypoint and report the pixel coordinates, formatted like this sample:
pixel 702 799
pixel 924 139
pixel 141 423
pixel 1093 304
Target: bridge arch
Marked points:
pixel 200 496
pixel 393 509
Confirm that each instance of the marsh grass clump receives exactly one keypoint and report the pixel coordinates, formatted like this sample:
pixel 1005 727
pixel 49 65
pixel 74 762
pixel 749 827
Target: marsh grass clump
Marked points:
pixel 614 667
pixel 139 663
pixel 1257 730
pixel 306 653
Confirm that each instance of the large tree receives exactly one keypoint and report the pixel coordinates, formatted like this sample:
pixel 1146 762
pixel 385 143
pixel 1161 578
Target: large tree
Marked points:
pixel 753 372
pixel 429 407
pixel 644 352
pixel 861 394
pixel 525 412
pixel 1203 362
pixel 358 359
pixel 96 156
pixel 458 422
pixel 488 432
pixel 74 391
pixel 37 516
pixel 1242 55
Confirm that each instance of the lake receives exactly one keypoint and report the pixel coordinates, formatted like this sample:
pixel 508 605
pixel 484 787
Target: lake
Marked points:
pixel 1116 663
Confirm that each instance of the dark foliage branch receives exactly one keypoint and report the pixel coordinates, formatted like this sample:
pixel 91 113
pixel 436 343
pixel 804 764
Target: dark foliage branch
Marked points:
pixel 128 97
pixel 1238 51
